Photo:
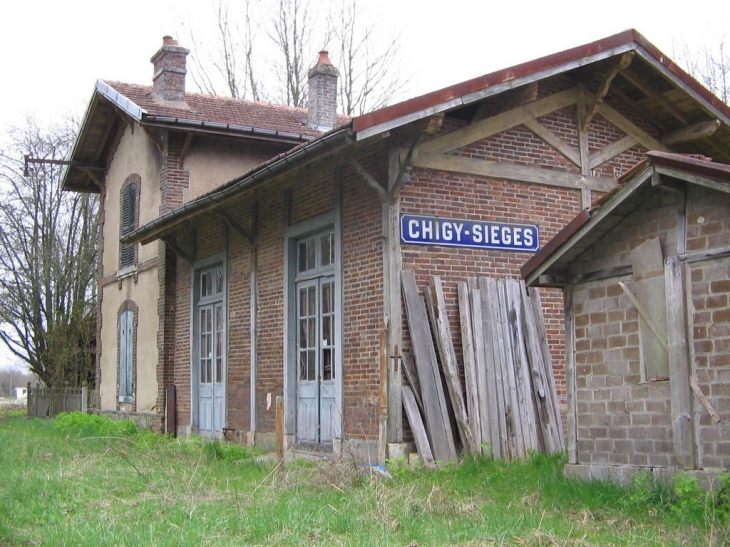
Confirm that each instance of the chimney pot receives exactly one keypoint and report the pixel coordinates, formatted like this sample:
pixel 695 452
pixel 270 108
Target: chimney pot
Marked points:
pixel 324 58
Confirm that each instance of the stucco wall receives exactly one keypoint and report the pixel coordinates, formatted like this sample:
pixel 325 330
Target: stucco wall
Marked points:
pixel 144 293
pixel 213 162
pixel 135 154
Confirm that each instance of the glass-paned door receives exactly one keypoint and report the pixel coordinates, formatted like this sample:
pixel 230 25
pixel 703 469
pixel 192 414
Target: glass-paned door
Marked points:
pixel 210 358
pixel 317 415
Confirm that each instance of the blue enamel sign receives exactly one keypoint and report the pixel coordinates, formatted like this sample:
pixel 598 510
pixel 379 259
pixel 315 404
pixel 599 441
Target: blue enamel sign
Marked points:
pixel 420 230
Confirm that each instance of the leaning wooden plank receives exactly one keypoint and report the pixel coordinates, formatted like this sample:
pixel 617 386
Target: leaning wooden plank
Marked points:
pixel 438 425
pixel 409 367
pixel 436 306
pixel 514 424
pixel 539 383
pixel 525 403
pixel 486 382
pixel 470 372
pixel 552 393
pixel 419 432
pixel 493 333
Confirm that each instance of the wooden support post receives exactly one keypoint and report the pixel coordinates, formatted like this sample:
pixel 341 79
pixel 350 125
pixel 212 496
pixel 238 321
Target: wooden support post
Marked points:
pixel 572 434
pixel 279 433
pixel 585 158
pixel 392 265
pixel 383 416
pixel 679 366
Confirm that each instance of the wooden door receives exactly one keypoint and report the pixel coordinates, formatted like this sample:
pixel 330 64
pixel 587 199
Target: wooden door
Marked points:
pixel 211 369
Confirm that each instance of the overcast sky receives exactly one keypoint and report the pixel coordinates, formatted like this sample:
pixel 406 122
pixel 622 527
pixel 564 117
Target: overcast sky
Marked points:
pixel 53 51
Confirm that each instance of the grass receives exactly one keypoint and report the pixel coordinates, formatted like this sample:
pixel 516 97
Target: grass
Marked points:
pixel 85 480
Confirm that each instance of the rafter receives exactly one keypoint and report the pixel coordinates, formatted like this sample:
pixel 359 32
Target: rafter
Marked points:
pixel 592 109
pixel 611 150
pixel 638 82
pixel 367 177
pixel 175 246
pixel 185 148
pixel 692 132
pixel 630 128
pixel 506 101
pixel 235 226
pixel 501 122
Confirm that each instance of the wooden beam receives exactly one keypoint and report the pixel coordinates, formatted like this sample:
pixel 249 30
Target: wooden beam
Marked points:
pixel 612 150
pixel 392 298
pixel 418 429
pixel 717 185
pixel 506 101
pixel 510 171
pixel 235 226
pixel 630 128
pixel 185 148
pixel 174 245
pixel 679 364
pixel 501 122
pixel 583 144
pixel 636 109
pixel 692 132
pixel 705 254
pixel 592 109
pixel 368 178
pixel 638 82
pixel 553 140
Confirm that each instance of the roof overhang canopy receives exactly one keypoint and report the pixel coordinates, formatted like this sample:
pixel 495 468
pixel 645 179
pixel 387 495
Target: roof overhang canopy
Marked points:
pixel 549 266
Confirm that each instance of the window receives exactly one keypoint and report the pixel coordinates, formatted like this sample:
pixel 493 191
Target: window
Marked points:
pixel 126 353
pixel 129 217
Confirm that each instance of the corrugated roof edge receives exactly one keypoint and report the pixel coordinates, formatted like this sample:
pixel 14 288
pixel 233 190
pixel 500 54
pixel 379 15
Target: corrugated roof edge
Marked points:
pixel 448 94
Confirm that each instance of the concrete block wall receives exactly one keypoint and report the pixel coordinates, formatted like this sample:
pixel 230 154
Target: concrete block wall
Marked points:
pixel 621 419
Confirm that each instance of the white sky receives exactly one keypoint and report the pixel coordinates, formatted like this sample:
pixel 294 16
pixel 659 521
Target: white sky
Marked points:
pixel 53 51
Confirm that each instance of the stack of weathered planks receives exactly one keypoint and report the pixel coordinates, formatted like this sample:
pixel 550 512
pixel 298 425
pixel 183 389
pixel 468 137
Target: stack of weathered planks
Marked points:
pixel 508 406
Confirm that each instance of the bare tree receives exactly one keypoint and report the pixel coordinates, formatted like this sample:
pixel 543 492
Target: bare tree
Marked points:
pixel 708 65
pixel 47 259
pixel 230 61
pixel 291 34
pixel 369 75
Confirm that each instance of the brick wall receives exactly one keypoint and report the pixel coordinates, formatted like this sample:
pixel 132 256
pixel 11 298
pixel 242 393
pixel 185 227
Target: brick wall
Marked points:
pixel 363 302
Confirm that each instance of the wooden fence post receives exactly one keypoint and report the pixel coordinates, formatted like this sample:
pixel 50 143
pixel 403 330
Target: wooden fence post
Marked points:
pixel 84 398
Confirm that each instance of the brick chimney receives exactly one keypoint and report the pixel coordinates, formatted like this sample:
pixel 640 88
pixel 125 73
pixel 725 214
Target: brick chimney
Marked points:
pixel 323 94
pixel 168 81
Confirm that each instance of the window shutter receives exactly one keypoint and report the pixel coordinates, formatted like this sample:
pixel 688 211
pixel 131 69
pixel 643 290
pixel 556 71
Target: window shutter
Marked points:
pixel 129 223
pixel 126 352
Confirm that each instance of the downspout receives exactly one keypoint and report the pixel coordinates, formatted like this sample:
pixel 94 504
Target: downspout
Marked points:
pixel 253 322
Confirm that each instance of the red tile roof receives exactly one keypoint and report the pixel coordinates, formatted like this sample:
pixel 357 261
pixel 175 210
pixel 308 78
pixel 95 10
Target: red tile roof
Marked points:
pixel 222 110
